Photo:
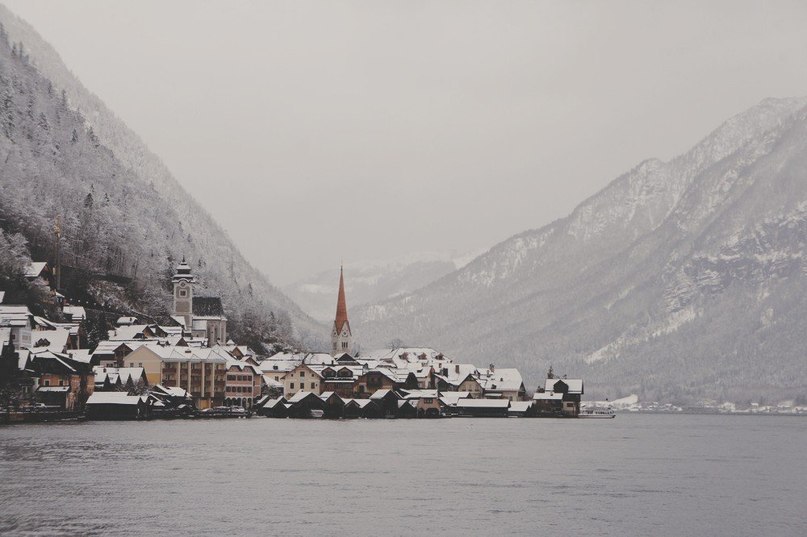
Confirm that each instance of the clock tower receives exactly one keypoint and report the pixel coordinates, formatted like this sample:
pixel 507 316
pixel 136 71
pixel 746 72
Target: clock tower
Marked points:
pixel 183 282
pixel 341 337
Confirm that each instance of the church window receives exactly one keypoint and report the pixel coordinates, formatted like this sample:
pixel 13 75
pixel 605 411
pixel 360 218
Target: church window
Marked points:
pixel 183 293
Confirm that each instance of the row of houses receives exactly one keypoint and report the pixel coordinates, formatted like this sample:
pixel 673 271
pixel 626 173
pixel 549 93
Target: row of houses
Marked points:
pixel 558 398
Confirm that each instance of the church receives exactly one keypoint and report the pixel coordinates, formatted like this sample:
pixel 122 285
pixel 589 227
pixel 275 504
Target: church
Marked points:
pixel 341 336
pixel 202 317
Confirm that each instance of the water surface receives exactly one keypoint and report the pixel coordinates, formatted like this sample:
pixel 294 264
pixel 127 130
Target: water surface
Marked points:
pixel 660 475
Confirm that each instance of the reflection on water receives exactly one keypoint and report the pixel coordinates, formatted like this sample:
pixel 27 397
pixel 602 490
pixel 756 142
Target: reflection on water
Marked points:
pixel 635 475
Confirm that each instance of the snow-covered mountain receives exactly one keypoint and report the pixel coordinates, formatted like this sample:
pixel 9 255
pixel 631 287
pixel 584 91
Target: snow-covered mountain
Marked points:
pixel 680 280
pixel 369 282
pixel 64 153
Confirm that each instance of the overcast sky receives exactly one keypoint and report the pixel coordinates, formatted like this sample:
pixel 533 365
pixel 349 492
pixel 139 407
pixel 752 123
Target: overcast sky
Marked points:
pixel 321 131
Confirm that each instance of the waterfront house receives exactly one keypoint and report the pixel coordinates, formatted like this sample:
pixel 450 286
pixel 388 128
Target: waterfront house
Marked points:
pixel 502 383
pixel 483 408
pixel 118 406
pixel 62 381
pixel 571 390
pixel 548 403
pixel 387 401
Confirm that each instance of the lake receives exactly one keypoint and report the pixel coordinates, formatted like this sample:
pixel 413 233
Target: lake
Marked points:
pixel 639 474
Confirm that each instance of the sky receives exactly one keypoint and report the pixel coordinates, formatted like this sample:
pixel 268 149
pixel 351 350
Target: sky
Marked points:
pixel 317 132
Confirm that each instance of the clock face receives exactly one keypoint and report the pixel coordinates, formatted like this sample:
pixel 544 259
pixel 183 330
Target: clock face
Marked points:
pixel 183 284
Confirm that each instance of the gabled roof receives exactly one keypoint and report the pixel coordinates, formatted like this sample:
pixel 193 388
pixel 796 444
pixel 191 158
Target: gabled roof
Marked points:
pixel 575 385
pixel 299 396
pixel 34 270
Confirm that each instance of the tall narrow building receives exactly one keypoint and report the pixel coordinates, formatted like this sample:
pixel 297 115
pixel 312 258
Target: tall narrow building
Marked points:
pixel 183 282
pixel 341 337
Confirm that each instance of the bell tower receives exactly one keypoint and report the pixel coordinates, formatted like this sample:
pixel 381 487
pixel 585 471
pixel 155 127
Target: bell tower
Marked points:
pixel 341 337
pixel 183 282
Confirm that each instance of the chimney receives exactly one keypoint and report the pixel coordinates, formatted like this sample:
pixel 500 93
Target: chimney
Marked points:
pixel 492 368
pixel 457 368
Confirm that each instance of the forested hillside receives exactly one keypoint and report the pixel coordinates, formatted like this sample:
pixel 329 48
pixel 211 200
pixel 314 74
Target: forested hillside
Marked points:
pixel 125 222
pixel 680 281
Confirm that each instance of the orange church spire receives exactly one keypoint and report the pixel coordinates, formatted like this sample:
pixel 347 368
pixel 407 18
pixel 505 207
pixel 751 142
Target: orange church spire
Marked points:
pixel 341 304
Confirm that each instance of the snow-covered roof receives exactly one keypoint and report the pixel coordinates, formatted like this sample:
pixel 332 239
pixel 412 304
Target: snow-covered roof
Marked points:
pixel 34 269
pixel 547 396
pixel 55 340
pixel 299 396
pixel 575 385
pixel 520 406
pixel 420 394
pixel 78 313
pixel 53 389
pixel 272 383
pixel 115 398
pixel 126 321
pixel 483 403
pixel 500 379
pixel 2 296
pixel 451 398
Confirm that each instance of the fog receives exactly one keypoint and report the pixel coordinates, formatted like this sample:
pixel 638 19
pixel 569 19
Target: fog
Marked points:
pixel 317 132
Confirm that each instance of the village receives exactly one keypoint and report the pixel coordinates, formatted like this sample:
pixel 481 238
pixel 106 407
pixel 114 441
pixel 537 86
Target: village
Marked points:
pixel 189 368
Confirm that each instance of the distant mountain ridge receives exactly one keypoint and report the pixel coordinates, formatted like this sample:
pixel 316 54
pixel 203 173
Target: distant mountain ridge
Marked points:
pixel 184 228
pixel 369 282
pixel 679 280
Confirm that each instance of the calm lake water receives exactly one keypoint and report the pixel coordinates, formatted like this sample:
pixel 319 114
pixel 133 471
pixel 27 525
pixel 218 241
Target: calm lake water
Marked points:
pixel 649 475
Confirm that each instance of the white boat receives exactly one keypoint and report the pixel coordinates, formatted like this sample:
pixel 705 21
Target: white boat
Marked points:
pixel 597 413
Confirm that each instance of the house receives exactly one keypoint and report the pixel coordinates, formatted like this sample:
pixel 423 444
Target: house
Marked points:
pixel 20 322
pixel 548 403
pixel 303 403
pixel 426 402
pixel 243 383
pixel 199 370
pixel 380 378
pixel 62 381
pixel 387 401
pixel 362 408
pixel 504 382
pixel 459 378
pixel 302 378
pixel 340 379
pixel 483 408
pixel 125 379
pixel 334 405
pixel 571 390
pixel 118 406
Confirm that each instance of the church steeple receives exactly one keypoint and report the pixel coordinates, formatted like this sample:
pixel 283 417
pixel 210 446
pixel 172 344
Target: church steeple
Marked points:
pixel 341 337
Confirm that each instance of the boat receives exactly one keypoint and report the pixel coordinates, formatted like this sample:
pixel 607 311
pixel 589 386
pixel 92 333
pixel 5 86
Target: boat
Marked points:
pixel 597 413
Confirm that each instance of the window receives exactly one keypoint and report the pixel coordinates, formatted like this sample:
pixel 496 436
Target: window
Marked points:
pixel 131 364
pixel 344 344
pixel 291 386
pixel 183 293
pixel 139 364
pixel 302 374
pixel 47 383
pixel 313 385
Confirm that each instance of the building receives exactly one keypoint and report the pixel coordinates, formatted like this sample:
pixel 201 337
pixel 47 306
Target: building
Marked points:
pixel 341 336
pixel 62 381
pixel 571 391
pixel 201 317
pixel 201 371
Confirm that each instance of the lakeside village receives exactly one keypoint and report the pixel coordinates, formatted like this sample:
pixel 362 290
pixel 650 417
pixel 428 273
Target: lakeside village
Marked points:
pixel 188 368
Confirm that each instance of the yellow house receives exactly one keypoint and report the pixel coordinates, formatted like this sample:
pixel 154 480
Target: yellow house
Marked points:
pixel 200 371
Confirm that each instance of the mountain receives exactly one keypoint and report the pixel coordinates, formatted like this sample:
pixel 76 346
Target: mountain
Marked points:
pixel 369 282
pixel 126 221
pixel 679 281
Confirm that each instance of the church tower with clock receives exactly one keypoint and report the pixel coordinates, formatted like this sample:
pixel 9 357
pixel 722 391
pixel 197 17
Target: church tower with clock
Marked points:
pixel 183 282
pixel 341 337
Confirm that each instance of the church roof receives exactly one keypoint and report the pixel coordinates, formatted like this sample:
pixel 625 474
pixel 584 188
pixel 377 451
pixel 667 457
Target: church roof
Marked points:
pixel 207 306
pixel 341 304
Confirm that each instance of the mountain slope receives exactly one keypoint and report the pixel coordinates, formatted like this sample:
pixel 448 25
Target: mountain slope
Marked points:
pixel 679 280
pixel 67 146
